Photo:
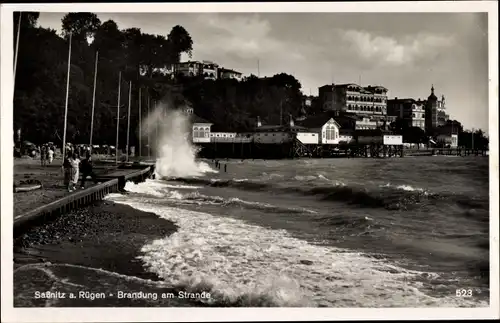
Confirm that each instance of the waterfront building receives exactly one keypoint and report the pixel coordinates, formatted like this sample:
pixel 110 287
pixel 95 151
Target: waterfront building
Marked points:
pixel 410 111
pixel 199 126
pixel 327 129
pixel 221 134
pixel 276 134
pixel 450 140
pixel 368 102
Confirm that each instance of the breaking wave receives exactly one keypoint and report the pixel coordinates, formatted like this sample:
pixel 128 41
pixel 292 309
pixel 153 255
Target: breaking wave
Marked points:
pixel 247 265
pixel 392 198
pixel 162 190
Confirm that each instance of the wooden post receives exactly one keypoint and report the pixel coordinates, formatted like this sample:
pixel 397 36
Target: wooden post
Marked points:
pixel 149 126
pixel 156 131
pixel 118 117
pixel 140 125
pixel 128 116
pixel 17 47
pixel 93 101
pixel 67 96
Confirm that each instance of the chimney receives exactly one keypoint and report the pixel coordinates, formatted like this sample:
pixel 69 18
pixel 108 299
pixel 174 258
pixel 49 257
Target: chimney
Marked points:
pixel 291 121
pixel 258 122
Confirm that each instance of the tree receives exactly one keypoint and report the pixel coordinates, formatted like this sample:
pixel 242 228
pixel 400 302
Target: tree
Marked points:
pixel 82 25
pixel 180 42
pixel 28 19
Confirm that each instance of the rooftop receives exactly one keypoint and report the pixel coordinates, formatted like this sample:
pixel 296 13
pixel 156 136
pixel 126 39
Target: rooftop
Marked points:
pixel 196 119
pixel 316 121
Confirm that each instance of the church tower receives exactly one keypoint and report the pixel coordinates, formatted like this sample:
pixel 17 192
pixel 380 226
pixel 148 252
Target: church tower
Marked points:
pixel 431 112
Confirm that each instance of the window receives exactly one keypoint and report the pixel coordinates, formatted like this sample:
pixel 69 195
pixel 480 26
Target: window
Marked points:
pixel 413 115
pixel 330 133
pixel 196 133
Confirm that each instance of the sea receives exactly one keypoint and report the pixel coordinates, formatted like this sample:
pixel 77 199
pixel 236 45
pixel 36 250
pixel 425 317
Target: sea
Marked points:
pixel 362 232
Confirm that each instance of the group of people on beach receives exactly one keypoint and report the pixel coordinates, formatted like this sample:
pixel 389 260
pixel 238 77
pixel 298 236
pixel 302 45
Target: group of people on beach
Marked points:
pixel 73 166
pixel 47 154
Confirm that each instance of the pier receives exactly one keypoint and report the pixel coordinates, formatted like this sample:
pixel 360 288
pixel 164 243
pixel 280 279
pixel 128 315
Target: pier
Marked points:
pixel 113 182
pixel 296 149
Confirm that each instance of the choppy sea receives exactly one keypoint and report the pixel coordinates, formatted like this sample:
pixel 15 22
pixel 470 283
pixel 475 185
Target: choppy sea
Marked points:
pixel 396 232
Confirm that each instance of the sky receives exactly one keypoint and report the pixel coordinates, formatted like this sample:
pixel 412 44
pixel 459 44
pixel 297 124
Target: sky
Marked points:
pixel 404 52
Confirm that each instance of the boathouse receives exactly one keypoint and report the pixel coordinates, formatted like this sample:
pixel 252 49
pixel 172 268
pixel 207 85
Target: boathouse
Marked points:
pixel 325 126
pixel 277 134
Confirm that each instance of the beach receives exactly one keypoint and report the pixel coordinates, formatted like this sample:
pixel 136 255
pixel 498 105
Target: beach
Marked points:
pixel 91 250
pixel 310 232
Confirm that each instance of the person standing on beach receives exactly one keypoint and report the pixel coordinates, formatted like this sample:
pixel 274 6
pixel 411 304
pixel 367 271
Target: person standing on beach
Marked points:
pixel 75 165
pixel 86 168
pixel 43 155
pixel 68 171
pixel 51 155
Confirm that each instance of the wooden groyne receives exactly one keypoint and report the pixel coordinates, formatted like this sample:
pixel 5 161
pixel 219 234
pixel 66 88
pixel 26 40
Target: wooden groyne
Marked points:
pixel 113 182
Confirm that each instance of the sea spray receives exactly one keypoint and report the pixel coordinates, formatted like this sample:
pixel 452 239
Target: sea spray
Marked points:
pixel 176 156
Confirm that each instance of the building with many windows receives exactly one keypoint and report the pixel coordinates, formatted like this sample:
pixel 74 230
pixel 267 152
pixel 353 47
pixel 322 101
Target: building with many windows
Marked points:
pixel 207 69
pixel 412 112
pixel 369 100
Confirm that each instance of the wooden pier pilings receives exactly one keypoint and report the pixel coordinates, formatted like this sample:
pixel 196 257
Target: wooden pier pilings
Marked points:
pixel 78 199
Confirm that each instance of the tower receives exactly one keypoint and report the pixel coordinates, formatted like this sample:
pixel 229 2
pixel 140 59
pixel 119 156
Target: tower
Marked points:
pixel 431 112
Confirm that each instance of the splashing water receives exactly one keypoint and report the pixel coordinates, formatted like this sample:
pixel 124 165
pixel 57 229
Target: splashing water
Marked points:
pixel 176 156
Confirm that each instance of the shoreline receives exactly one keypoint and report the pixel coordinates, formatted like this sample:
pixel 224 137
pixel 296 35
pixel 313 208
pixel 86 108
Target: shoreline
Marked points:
pixel 90 250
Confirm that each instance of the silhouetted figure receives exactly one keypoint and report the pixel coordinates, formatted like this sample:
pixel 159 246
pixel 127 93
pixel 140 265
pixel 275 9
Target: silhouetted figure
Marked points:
pixel 225 168
pixel 43 155
pixel 87 170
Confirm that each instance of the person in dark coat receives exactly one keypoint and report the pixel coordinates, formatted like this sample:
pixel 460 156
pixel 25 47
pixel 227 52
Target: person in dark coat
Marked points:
pixel 87 170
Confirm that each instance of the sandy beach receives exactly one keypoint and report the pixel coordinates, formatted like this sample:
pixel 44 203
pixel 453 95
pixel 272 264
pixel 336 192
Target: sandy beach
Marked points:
pixel 91 250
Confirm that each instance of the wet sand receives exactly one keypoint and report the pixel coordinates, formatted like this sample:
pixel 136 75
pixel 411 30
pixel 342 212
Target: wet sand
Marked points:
pixel 91 250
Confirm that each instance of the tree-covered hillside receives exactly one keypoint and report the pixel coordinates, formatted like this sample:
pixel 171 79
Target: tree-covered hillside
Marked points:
pixel 40 83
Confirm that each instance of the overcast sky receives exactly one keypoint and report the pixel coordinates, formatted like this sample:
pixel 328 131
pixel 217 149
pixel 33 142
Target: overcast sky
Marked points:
pixel 405 52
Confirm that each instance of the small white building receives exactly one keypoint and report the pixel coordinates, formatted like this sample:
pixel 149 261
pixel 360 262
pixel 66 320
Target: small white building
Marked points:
pixel 451 140
pixel 345 138
pixel 325 126
pixel 200 127
pixel 308 138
